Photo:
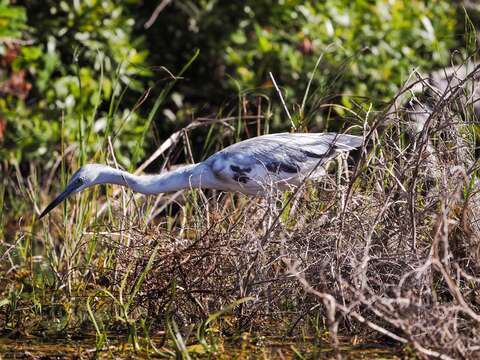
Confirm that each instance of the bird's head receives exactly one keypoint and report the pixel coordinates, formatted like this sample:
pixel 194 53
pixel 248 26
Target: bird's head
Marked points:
pixel 86 176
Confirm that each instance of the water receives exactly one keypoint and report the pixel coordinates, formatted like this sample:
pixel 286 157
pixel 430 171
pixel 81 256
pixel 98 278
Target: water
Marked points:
pixel 39 348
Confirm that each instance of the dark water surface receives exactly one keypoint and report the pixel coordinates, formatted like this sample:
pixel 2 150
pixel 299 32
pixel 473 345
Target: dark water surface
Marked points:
pixel 85 348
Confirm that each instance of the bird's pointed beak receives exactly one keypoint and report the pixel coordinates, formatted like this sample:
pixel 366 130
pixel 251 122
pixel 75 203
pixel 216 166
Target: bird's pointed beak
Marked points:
pixel 65 194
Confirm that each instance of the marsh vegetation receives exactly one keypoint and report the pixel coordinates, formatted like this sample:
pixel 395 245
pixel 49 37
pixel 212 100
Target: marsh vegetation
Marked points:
pixel 379 258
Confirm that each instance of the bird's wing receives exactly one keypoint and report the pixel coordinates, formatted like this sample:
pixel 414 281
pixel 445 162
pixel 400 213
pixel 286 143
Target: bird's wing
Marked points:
pixel 280 159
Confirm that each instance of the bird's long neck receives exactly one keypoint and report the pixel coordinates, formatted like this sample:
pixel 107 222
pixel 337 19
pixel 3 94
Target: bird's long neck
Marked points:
pixel 194 176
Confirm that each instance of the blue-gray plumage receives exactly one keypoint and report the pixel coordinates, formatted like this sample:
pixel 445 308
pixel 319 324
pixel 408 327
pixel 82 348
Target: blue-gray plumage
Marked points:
pixel 278 161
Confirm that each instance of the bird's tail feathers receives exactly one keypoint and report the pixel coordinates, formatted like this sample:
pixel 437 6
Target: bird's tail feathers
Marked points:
pixel 346 142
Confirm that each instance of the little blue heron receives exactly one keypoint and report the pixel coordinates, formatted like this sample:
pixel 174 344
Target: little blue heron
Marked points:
pixel 250 167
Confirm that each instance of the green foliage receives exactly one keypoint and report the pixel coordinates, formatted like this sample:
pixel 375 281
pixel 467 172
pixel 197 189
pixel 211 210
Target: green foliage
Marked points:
pixel 368 47
pixel 82 58
pixel 12 22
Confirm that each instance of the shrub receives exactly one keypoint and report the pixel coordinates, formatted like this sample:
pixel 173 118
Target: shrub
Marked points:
pixel 80 58
pixel 367 47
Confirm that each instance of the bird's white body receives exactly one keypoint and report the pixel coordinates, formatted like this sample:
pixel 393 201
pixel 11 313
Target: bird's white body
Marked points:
pixel 278 161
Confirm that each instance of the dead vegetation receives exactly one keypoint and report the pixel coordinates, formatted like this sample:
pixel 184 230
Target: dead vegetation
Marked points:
pixel 390 249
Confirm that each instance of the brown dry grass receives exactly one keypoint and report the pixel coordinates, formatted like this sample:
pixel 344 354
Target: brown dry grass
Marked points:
pixel 390 249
